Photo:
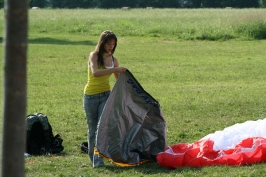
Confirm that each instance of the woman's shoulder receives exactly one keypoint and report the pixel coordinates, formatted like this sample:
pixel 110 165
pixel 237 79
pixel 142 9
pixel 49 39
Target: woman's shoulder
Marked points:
pixel 93 57
pixel 92 54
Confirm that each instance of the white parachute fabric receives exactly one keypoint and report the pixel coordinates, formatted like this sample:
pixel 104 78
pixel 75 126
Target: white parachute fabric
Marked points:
pixel 231 136
pixel 132 129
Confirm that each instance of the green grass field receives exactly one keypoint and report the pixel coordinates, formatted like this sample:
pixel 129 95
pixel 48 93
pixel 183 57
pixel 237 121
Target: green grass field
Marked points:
pixel 206 67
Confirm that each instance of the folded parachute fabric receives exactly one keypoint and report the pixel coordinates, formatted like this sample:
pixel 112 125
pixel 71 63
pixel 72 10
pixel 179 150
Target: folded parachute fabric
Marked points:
pixel 240 144
pixel 132 129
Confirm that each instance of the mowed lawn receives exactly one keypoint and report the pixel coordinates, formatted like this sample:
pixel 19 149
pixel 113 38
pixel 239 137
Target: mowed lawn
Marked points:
pixel 202 85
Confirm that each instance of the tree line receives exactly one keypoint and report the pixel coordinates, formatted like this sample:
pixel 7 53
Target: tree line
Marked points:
pixel 146 3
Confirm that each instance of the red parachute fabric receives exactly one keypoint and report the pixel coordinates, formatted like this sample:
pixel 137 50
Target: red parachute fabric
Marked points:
pixel 249 150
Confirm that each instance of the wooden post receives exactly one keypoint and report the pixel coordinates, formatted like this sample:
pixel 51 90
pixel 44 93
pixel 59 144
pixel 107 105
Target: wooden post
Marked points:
pixel 15 87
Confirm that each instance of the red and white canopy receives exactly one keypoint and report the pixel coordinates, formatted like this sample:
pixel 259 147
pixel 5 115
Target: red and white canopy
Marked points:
pixel 240 144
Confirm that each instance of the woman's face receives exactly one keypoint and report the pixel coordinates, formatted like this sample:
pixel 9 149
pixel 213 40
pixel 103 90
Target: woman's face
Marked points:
pixel 109 46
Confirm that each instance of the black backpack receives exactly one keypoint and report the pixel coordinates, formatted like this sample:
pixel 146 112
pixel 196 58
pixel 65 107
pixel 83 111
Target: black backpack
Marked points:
pixel 40 139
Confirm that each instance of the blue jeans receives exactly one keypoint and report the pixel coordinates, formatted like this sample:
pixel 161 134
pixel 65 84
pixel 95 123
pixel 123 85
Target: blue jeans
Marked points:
pixel 93 107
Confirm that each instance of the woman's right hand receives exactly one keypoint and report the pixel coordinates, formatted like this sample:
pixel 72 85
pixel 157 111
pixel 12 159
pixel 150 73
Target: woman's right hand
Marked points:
pixel 120 69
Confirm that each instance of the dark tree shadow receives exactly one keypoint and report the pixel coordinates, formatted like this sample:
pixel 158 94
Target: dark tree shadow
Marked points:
pixel 47 40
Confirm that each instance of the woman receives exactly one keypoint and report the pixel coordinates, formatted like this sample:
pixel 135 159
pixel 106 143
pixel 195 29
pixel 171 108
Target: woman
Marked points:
pixel 101 65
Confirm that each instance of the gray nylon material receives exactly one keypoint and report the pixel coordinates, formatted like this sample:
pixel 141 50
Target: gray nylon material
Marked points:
pixel 132 128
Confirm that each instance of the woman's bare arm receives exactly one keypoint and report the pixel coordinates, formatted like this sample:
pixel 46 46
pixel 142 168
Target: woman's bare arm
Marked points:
pixel 96 72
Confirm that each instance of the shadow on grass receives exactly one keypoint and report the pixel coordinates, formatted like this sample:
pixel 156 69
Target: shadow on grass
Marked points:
pixel 47 40
pixel 150 168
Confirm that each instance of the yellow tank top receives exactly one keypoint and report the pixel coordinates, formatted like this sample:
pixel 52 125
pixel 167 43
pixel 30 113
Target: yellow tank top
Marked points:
pixel 96 85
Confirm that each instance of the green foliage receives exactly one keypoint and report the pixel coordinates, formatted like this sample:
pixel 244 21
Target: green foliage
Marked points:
pixel 154 3
pixel 185 24
pixel 255 30
pixel 240 3
pixel 38 3
pixel 146 3
pixel 251 25
pixel 202 85
pixel 263 3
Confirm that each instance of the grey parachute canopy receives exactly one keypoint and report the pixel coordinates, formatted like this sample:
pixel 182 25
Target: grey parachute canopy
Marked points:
pixel 132 129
